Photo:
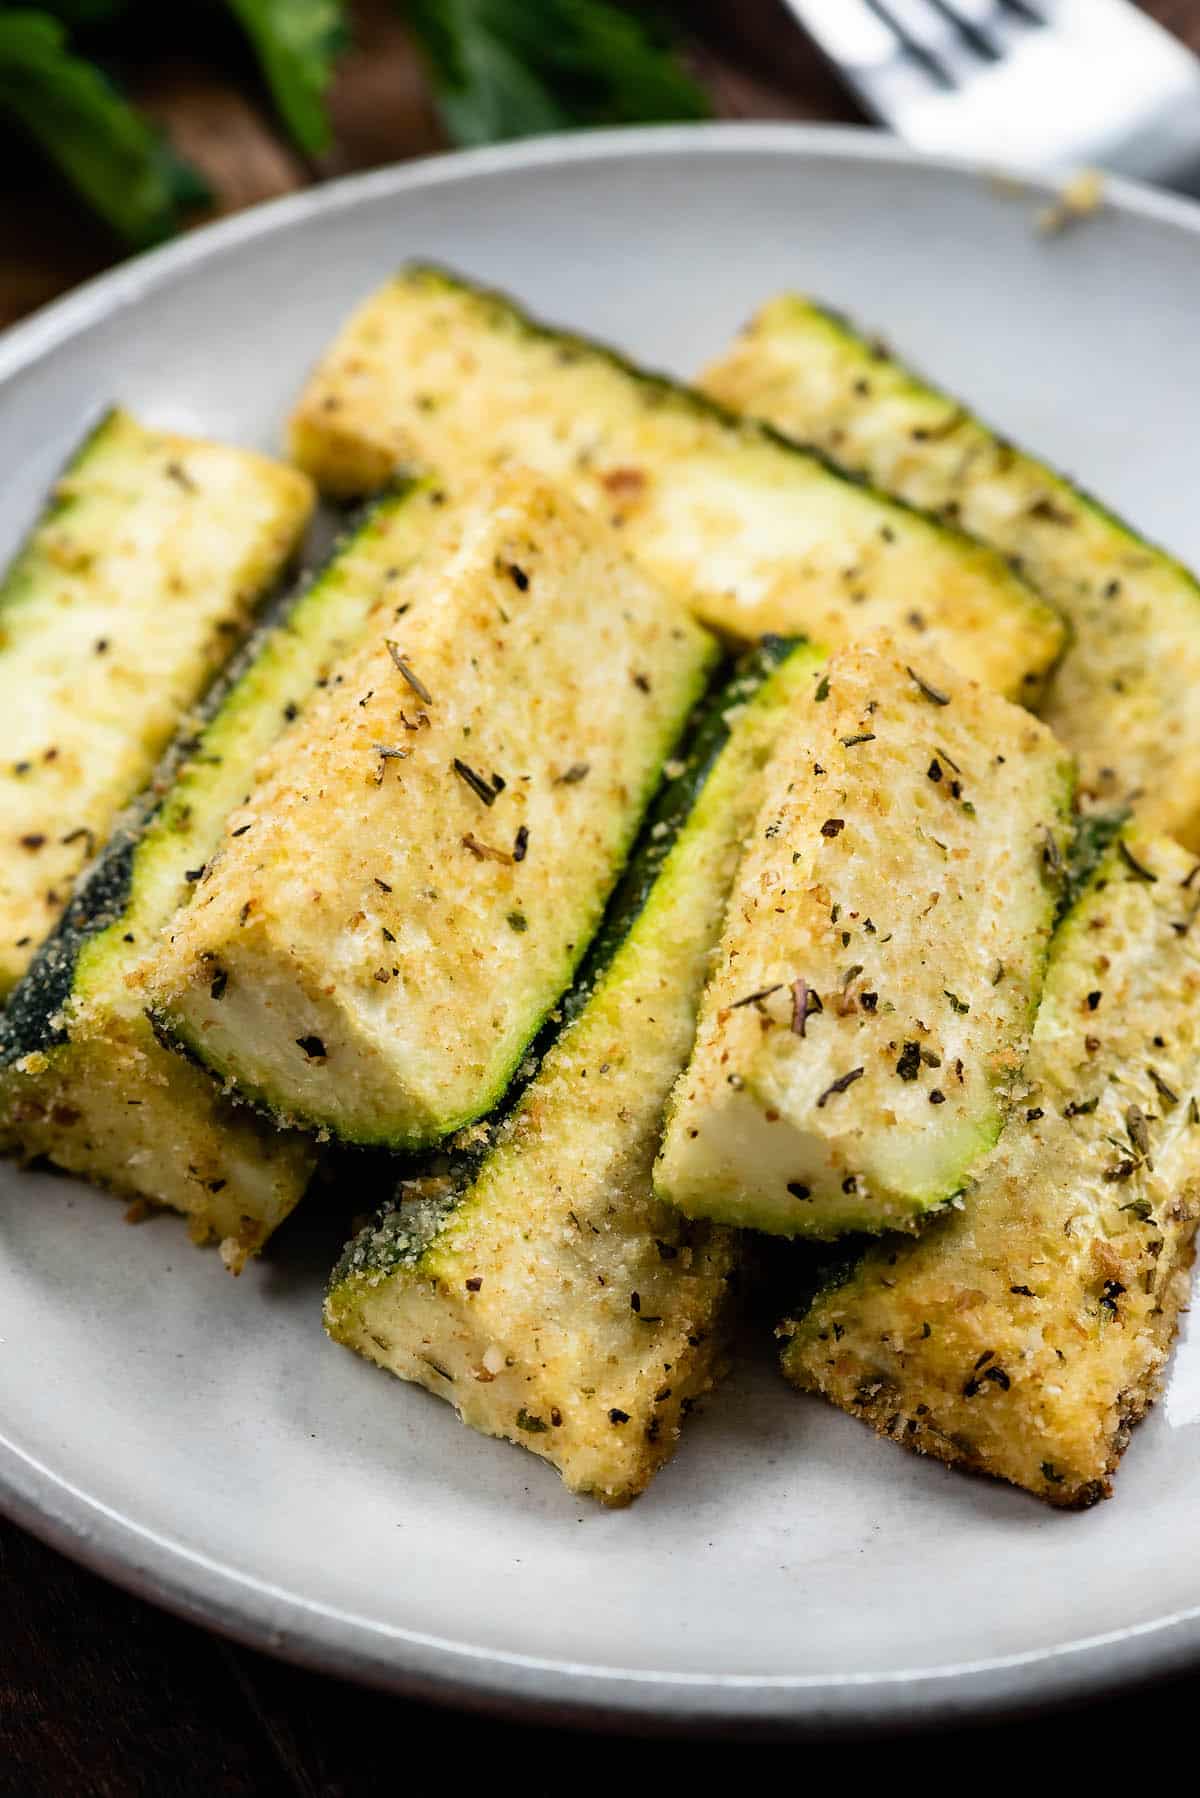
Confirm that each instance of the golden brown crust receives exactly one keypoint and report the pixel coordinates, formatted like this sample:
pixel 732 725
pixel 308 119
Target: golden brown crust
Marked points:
pixel 755 535
pixel 555 1301
pixel 116 1108
pixel 1123 698
pixel 1023 1335
pixel 409 885
pixel 882 957
pixel 126 599
pixel 922 1437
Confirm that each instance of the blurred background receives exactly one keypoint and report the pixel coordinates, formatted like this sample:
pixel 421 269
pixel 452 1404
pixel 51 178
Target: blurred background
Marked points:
pixel 123 121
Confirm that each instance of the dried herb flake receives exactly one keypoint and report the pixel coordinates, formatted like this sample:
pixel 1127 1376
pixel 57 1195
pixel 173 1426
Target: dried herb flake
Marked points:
pixel 476 782
pixel 932 694
pixel 1134 865
pixel 764 992
pixel 405 669
pixel 840 1085
pixel 909 1065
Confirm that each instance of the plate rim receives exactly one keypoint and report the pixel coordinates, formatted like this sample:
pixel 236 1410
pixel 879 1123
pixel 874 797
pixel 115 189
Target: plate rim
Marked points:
pixel 158 1568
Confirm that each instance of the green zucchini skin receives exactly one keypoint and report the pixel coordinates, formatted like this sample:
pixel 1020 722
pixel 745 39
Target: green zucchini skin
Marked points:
pixel 148 562
pixel 733 685
pixel 75 1043
pixel 1066 1268
pixel 530 1242
pixel 35 1017
pixel 453 1166
pixel 1122 696
pixel 754 532
pixel 818 1270
pixel 15 588
pixel 840 916
pixel 407 1026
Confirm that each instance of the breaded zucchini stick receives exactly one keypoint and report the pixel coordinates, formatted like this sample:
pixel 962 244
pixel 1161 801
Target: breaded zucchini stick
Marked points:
pixel 133 587
pixel 539 1286
pixel 882 957
pixel 408 891
pixel 754 533
pixel 1124 695
pixel 1024 1334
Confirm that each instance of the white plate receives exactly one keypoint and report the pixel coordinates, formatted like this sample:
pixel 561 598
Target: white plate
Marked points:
pixel 197 1438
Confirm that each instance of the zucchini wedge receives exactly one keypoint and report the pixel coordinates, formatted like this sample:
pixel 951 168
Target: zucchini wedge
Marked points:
pixel 83 1080
pixel 128 594
pixel 410 888
pixel 752 532
pixel 1124 695
pixel 539 1287
pixel 882 957
pixel 1023 1336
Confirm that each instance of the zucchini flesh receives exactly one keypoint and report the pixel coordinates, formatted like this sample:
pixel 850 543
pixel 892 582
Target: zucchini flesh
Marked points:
pixel 1022 1336
pixel 1123 697
pixel 754 533
pixel 544 1292
pixel 126 597
pixel 412 885
pixel 83 1080
pixel 882 957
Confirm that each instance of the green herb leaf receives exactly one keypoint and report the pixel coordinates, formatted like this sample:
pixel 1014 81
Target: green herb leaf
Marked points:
pixel 113 156
pixel 504 69
pixel 1094 837
pixel 297 43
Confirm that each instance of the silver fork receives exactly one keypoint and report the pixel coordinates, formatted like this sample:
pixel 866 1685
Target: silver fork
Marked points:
pixel 1042 84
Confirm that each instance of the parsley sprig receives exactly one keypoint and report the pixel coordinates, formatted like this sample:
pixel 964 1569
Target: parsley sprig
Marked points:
pixel 498 69
pixel 509 68
pixel 106 149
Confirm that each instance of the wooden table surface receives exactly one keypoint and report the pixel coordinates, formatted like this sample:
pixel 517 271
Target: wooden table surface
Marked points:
pixel 102 1696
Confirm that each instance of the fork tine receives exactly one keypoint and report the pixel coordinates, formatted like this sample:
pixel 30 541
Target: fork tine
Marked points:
pixel 912 46
pixel 970 33
pixel 1076 82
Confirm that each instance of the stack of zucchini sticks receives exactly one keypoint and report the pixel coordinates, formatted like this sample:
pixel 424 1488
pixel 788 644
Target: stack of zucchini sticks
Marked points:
pixel 667 835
